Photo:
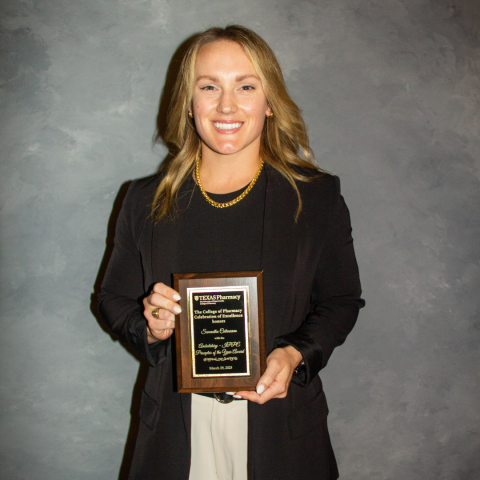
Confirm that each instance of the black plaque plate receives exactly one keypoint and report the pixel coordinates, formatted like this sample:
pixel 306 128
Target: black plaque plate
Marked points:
pixel 219 326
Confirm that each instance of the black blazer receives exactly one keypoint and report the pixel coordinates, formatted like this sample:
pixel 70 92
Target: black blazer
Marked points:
pixel 312 297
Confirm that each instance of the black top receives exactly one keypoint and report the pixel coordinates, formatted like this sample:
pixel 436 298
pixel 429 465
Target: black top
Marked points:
pixel 223 239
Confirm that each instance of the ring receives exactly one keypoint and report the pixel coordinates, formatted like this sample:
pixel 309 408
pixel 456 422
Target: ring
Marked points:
pixel 155 313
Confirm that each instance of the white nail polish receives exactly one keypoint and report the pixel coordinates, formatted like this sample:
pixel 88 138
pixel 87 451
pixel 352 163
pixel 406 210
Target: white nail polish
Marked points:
pixel 177 309
pixel 176 296
pixel 260 389
pixel 230 393
pixel 238 397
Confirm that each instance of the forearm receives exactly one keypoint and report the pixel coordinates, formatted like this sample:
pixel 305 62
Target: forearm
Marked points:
pixel 124 318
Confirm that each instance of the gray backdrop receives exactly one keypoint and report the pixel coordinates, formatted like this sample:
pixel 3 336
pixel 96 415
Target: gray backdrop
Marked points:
pixel 390 91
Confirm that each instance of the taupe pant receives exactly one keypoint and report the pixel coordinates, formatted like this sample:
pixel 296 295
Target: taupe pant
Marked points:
pixel 219 439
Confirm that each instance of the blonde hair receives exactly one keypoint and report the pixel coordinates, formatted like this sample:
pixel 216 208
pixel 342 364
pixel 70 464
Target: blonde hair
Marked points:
pixel 283 136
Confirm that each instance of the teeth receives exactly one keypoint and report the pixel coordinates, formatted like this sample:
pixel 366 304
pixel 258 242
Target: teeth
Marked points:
pixel 227 126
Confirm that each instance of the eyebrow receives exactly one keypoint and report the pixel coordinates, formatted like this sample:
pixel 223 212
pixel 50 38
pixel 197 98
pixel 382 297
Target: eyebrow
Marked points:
pixel 248 75
pixel 239 78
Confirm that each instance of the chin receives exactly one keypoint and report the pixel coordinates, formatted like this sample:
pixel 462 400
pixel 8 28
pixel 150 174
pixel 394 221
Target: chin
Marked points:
pixel 229 151
pixel 226 149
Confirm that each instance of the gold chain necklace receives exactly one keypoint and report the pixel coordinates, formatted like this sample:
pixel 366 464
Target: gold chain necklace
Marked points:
pixel 235 200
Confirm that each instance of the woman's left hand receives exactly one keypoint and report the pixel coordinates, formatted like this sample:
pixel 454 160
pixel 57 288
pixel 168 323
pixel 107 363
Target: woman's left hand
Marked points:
pixel 274 383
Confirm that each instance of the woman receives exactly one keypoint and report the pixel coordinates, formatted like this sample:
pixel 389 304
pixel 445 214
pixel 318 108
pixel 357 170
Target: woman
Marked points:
pixel 236 196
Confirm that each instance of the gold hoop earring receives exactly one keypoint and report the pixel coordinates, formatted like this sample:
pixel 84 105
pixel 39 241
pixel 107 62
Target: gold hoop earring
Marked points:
pixel 270 116
pixel 190 114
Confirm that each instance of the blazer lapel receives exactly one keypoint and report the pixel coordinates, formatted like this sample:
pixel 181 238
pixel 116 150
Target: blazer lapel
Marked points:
pixel 279 253
pixel 165 242
pixel 165 254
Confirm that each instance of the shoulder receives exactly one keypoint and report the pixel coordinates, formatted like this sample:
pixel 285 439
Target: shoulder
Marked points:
pixel 322 185
pixel 137 203
pixel 144 186
pixel 320 197
pixel 317 185
pixel 140 193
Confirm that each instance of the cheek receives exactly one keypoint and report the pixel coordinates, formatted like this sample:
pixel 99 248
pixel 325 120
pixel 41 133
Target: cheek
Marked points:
pixel 257 110
pixel 259 115
pixel 197 106
pixel 202 109
pixel 197 102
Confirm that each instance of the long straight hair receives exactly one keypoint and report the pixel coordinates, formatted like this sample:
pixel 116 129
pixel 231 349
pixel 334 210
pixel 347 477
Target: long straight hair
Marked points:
pixel 283 137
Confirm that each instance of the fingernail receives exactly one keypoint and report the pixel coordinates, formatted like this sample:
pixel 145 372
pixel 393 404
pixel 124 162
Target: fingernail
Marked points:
pixel 176 296
pixel 177 309
pixel 230 393
pixel 260 389
pixel 238 397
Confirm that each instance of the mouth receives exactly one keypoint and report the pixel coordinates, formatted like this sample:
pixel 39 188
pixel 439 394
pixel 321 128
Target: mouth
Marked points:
pixel 227 127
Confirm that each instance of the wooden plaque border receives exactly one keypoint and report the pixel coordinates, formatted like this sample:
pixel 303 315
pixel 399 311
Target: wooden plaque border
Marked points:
pixel 186 383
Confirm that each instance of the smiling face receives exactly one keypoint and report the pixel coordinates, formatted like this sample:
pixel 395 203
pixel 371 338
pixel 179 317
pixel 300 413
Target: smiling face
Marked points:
pixel 229 104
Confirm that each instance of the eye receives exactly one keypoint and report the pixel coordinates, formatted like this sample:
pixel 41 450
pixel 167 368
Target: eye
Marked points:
pixel 208 88
pixel 247 87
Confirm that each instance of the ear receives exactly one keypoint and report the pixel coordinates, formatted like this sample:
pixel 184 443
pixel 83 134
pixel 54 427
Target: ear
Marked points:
pixel 268 111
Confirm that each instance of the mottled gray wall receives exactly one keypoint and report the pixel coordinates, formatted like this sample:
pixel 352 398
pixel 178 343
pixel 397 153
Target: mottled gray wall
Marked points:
pixel 391 93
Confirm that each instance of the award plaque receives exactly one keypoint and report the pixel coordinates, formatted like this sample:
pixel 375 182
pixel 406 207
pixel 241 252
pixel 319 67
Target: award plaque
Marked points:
pixel 219 336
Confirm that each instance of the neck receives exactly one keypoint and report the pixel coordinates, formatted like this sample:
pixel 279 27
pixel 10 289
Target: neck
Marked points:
pixel 227 173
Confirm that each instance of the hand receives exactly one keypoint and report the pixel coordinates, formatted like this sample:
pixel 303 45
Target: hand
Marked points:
pixel 274 383
pixel 164 299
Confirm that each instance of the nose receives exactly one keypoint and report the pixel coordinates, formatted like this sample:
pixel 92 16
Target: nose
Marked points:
pixel 226 104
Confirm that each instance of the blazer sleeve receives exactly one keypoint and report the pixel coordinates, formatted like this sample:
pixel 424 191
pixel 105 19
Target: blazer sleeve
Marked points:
pixel 335 297
pixel 122 291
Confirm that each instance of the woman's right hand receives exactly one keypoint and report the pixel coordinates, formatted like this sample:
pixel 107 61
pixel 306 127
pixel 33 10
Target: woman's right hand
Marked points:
pixel 163 299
